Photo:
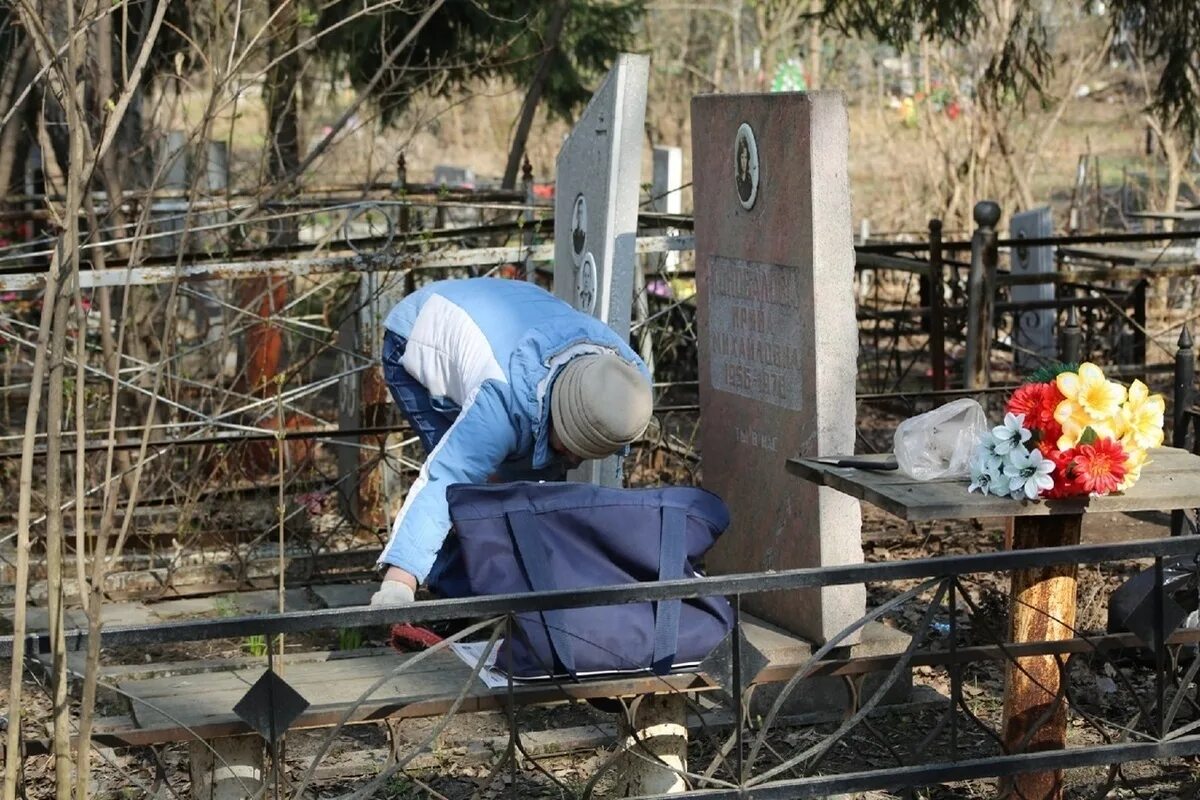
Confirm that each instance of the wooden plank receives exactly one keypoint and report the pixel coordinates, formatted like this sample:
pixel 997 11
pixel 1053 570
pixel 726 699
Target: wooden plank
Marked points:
pixel 171 706
pixel 116 673
pixel 1170 481
pixel 125 731
pixel 220 721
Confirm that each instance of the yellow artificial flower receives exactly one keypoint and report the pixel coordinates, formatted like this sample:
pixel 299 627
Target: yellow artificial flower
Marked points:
pixel 1134 461
pixel 1074 421
pixel 1099 398
pixel 1142 415
pixel 1072 426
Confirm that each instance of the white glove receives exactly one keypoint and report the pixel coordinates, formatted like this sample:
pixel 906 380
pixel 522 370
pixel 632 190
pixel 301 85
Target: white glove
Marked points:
pixel 392 593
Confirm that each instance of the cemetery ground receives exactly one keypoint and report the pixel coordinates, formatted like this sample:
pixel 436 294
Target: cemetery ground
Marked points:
pixel 566 746
pixel 578 739
pixel 570 743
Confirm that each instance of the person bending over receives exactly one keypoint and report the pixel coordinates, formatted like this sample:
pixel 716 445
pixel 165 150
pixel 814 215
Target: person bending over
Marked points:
pixel 500 380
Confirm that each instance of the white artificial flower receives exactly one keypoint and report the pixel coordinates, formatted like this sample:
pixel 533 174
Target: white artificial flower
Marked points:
pixel 1012 433
pixel 986 475
pixel 987 450
pixel 1030 474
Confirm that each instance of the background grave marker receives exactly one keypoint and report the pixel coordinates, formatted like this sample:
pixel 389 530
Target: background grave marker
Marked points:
pixel 1033 335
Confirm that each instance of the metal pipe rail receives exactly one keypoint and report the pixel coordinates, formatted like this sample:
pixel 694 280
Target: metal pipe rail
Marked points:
pixel 302 621
pixel 293 268
pixel 1088 238
pixel 903 777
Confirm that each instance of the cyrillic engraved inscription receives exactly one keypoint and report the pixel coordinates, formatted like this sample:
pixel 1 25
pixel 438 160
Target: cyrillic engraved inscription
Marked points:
pixel 754 330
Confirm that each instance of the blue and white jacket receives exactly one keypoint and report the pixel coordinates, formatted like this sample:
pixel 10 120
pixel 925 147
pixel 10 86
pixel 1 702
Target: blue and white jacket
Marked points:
pixel 490 348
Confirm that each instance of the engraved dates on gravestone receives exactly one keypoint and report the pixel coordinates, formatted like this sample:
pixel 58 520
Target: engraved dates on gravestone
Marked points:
pixel 755 331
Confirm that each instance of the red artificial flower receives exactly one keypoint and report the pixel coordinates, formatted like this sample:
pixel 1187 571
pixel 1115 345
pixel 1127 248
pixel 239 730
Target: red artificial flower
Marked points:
pixel 1037 402
pixel 1101 465
pixel 1066 477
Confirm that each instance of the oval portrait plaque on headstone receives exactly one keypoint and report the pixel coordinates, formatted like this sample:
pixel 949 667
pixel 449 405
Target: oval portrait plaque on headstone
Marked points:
pixel 579 224
pixel 745 165
pixel 585 285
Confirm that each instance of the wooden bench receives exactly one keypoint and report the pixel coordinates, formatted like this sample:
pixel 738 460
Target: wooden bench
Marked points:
pixel 194 701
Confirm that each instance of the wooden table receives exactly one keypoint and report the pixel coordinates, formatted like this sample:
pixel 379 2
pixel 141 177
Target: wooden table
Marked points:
pixel 1042 601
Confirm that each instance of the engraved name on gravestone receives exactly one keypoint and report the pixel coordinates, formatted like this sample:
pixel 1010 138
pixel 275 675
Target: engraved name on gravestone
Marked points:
pixel 596 191
pixel 1034 341
pixel 778 342
pixel 754 331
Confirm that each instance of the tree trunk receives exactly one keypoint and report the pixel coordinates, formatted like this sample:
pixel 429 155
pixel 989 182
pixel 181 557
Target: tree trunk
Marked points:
pixel 554 29
pixel 815 46
pixel 16 136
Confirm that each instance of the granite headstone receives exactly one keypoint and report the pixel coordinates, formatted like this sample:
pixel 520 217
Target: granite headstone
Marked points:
pixel 778 340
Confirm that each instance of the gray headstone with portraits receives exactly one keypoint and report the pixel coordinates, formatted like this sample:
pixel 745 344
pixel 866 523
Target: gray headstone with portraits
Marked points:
pixel 596 193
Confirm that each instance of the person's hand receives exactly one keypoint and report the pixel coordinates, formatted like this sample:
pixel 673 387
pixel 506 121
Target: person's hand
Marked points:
pixel 393 593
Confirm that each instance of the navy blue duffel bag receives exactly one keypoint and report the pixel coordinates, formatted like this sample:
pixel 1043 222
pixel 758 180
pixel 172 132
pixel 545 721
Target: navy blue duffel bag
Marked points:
pixel 522 537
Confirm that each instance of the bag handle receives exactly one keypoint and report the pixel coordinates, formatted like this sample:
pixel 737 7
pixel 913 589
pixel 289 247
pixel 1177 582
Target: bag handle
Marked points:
pixel 671 555
pixel 528 536
pixel 527 533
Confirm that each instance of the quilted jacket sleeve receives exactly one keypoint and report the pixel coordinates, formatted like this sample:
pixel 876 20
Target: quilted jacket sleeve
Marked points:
pixel 471 450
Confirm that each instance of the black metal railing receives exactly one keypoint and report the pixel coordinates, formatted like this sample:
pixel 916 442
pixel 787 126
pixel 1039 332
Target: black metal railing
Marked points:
pixel 1147 710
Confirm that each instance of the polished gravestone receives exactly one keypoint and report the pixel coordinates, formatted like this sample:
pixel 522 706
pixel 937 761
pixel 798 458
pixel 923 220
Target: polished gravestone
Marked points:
pixel 778 340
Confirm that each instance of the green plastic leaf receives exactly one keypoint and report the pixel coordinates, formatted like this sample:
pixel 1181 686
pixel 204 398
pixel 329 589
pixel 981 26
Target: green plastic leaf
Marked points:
pixel 1049 372
pixel 1088 436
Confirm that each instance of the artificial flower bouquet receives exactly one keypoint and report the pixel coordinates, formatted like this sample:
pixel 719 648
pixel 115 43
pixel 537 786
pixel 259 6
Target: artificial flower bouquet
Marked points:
pixel 1069 432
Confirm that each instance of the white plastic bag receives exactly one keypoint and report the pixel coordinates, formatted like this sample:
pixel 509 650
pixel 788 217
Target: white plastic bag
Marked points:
pixel 940 443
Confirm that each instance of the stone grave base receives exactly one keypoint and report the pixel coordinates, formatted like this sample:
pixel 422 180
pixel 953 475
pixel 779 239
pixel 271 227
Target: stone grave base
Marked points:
pixel 833 693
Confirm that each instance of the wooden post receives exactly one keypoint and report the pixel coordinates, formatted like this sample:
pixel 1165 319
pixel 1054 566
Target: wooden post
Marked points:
pixel 1042 608
pixel 937 314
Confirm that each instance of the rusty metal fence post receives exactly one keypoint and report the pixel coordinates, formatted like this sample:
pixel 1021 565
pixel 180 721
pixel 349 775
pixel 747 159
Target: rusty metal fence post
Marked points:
pixel 937 312
pixel 1138 301
pixel 529 219
pixel 981 295
pixel 1185 381
pixel 1071 340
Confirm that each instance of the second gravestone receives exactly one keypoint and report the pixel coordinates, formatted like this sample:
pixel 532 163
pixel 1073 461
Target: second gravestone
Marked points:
pixel 595 212
pixel 778 340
